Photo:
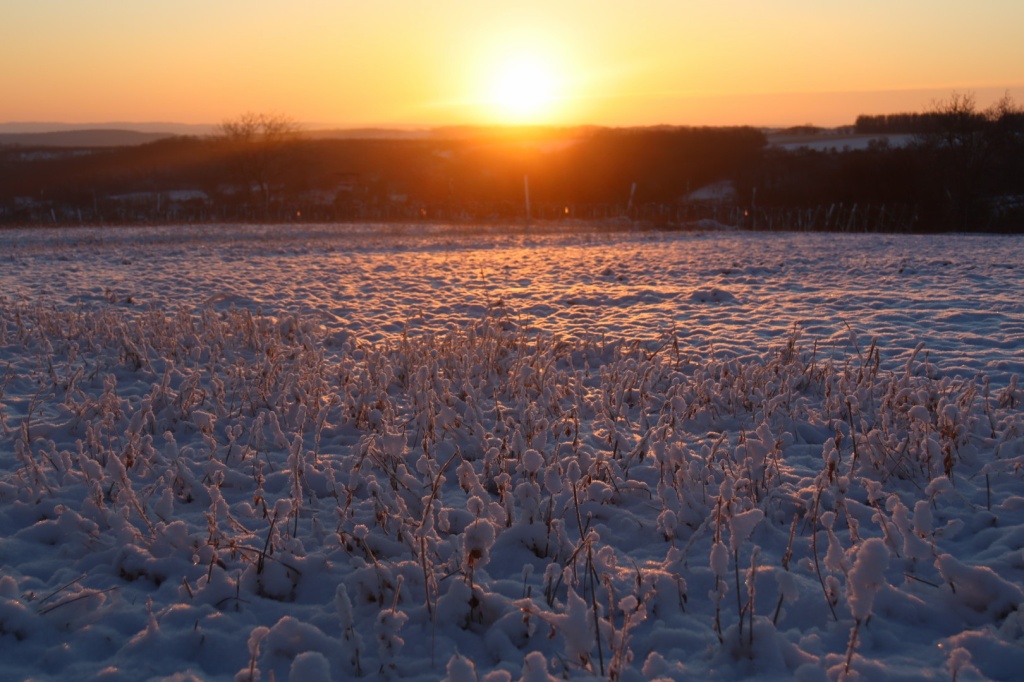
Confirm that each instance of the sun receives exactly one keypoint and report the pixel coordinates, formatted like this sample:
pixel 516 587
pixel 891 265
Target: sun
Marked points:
pixel 523 89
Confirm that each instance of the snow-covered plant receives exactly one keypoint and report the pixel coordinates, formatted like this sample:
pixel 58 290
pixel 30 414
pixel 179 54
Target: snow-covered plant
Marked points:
pixel 959 661
pixel 352 640
pixel 310 666
pixel 535 668
pixel 256 637
pixel 916 528
pixel 476 547
pixel 864 581
pixel 633 614
pixel 460 669
pixel 719 560
pixel 386 628
pixel 741 527
pixel 576 625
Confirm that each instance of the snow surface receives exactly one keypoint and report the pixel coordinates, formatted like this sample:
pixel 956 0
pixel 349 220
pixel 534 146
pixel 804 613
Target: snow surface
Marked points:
pixel 428 452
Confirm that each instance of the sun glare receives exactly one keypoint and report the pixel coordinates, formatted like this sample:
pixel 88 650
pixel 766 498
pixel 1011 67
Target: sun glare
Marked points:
pixel 523 89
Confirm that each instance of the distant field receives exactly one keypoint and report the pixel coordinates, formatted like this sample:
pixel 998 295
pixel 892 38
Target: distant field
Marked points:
pixel 839 141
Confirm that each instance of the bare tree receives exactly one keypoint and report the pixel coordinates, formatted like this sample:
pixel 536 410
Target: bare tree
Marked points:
pixel 956 122
pixel 1006 120
pixel 257 144
pixel 959 141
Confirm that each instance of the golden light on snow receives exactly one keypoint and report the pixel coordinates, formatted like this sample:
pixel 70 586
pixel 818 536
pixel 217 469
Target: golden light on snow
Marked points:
pixel 682 389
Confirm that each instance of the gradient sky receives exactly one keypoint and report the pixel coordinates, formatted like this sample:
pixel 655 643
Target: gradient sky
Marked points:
pixel 392 62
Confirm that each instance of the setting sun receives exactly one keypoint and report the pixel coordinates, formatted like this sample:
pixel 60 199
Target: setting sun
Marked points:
pixel 523 90
pixel 399 64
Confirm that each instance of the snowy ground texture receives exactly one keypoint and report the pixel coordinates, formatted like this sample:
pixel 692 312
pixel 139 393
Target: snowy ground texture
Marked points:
pixel 326 453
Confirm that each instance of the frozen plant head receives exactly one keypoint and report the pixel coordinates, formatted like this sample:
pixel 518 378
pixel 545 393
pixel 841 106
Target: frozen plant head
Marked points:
pixel 532 461
pixel 742 527
pixel 867 577
pixel 310 666
pixel 477 541
pixel 460 669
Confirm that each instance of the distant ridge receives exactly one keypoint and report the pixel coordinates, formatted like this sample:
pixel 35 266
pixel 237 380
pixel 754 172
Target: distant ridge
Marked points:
pixel 82 138
pixel 66 135
pixel 366 133
pixel 131 134
pixel 166 127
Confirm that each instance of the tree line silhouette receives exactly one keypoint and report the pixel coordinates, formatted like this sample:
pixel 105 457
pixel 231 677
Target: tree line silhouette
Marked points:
pixel 955 167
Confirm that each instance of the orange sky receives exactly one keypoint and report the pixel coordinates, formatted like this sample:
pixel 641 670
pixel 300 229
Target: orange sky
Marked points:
pixel 391 62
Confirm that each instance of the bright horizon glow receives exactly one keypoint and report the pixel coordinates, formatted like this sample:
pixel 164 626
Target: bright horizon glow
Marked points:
pixel 395 63
pixel 523 90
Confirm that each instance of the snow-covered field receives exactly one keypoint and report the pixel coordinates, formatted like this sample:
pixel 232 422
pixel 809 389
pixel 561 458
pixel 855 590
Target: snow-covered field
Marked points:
pixel 407 452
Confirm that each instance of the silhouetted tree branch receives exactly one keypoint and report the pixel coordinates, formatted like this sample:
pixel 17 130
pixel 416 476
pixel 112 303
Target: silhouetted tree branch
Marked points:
pixel 967 145
pixel 257 144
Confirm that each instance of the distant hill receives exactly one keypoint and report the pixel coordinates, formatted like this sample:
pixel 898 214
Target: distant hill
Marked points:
pixel 168 127
pixel 366 133
pixel 65 135
pixel 82 138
